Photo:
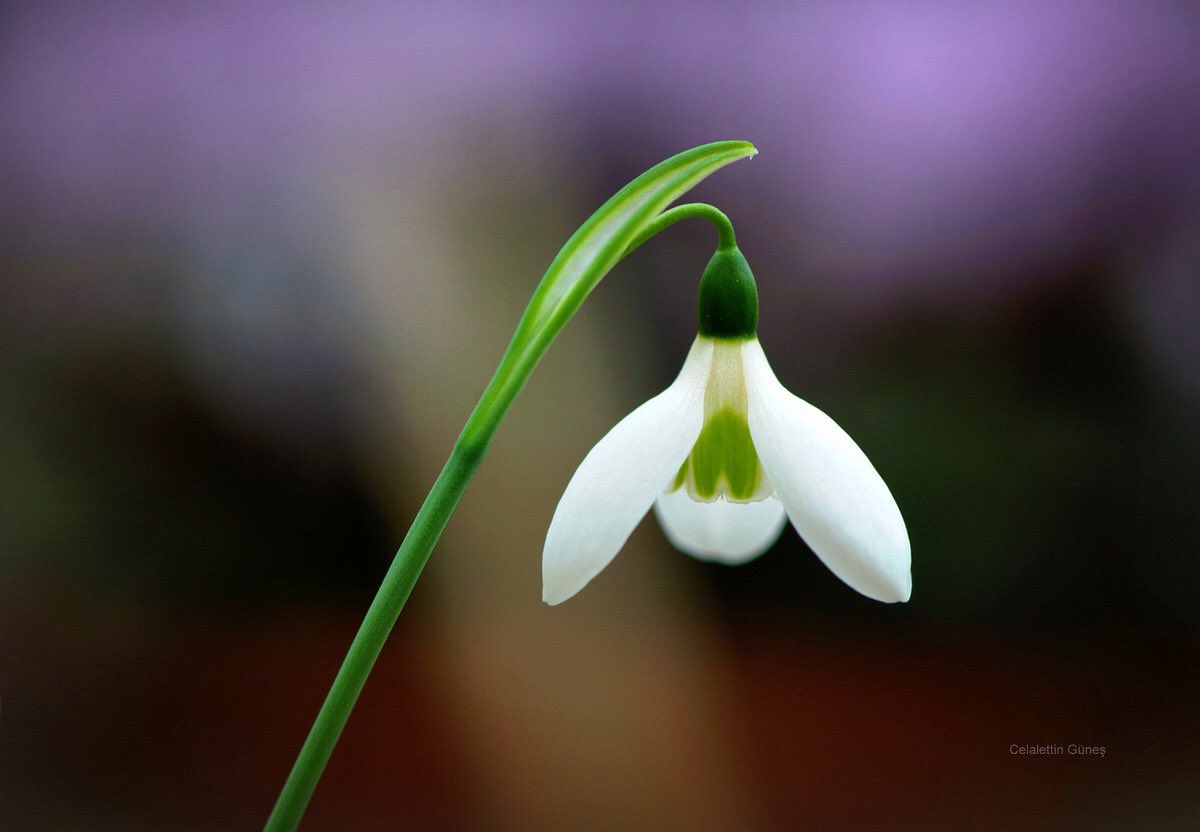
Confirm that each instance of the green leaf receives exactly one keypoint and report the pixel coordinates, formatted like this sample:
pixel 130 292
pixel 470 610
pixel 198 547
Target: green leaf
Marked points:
pixel 587 256
pixel 600 242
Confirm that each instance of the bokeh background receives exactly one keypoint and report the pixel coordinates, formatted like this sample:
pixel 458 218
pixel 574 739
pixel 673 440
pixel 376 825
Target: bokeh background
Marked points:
pixel 258 260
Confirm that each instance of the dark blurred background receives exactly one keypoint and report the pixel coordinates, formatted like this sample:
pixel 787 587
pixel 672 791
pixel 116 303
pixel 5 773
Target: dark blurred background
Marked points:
pixel 258 261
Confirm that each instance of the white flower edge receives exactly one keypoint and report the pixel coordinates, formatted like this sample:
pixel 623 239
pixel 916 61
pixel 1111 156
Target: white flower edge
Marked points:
pixel 832 493
pixel 620 479
pixel 822 482
pixel 720 531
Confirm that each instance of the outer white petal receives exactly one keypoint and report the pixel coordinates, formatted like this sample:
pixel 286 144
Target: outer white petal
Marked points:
pixel 834 496
pixel 620 478
pixel 720 531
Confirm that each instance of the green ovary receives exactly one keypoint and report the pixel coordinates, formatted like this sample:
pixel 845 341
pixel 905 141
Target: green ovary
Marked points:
pixel 723 462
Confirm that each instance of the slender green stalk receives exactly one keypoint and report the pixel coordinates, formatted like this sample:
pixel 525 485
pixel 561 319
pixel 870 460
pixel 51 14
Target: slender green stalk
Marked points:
pixel 725 236
pixel 427 527
pixel 615 230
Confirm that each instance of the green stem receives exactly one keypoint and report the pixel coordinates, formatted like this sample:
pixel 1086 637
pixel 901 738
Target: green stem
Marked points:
pixel 414 552
pixel 725 236
pixel 410 560
pixel 515 367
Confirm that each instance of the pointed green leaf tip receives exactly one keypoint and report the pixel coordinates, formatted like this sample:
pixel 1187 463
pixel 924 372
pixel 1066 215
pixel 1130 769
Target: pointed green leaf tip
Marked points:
pixel 597 246
pixel 601 241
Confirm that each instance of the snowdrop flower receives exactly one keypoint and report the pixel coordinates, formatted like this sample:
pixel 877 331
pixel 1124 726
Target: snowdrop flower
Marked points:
pixel 726 456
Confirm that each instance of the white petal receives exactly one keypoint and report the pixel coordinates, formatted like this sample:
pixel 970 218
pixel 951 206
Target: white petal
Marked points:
pixel 620 478
pixel 834 496
pixel 721 531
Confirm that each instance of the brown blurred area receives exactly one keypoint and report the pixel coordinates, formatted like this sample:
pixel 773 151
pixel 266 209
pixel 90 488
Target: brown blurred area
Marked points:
pixel 256 265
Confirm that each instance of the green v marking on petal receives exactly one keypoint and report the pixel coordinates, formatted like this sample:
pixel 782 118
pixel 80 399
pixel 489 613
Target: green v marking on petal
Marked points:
pixel 723 461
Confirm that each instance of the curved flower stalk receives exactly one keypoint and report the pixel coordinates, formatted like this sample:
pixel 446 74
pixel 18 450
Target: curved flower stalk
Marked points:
pixel 630 217
pixel 726 455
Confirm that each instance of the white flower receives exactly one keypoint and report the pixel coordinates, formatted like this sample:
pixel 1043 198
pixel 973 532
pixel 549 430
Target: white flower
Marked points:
pixel 726 455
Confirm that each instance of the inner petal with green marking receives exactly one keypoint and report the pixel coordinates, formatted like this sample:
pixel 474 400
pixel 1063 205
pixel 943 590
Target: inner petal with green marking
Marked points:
pixel 723 462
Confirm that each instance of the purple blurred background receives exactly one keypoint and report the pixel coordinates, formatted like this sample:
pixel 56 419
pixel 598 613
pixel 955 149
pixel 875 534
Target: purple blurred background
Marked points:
pixel 257 262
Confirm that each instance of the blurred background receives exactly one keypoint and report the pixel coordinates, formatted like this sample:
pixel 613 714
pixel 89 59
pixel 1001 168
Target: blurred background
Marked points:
pixel 258 261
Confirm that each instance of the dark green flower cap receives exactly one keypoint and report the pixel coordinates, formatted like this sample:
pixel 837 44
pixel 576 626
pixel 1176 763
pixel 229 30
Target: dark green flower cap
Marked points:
pixel 728 305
